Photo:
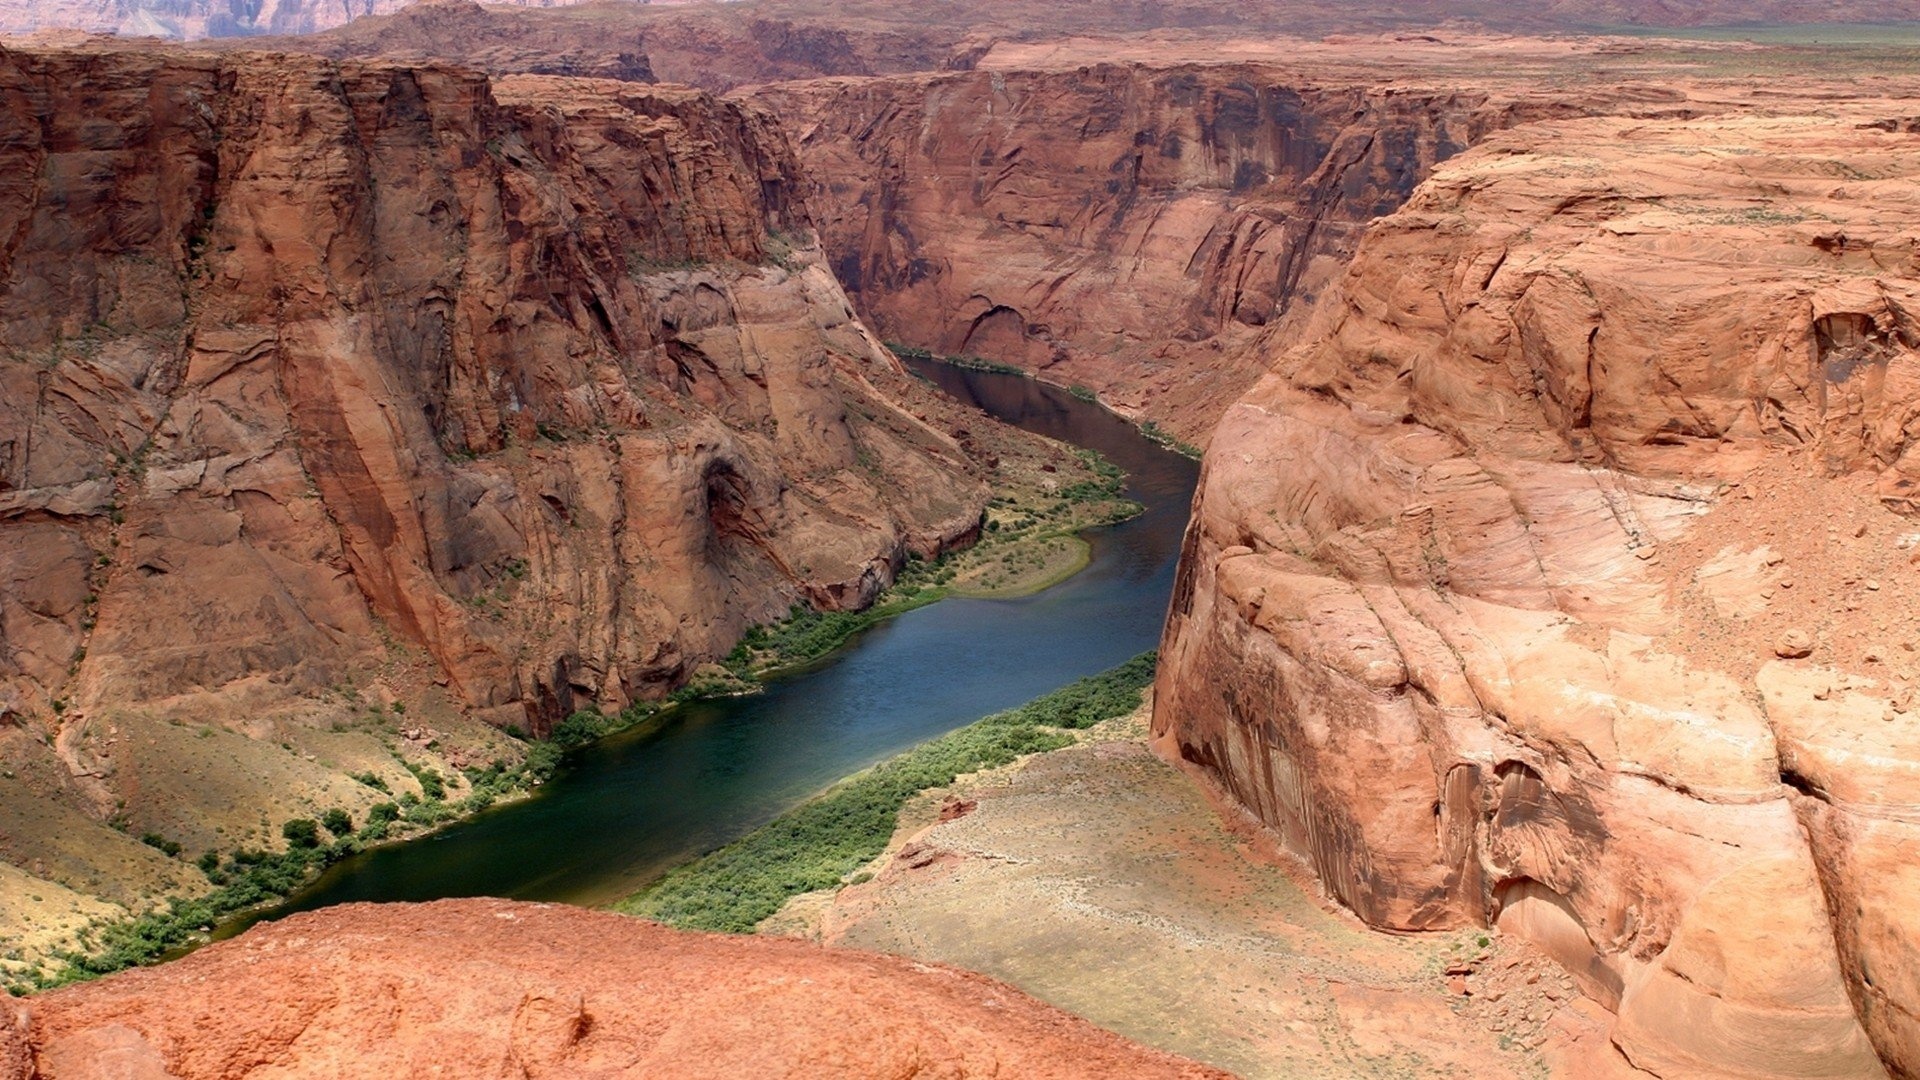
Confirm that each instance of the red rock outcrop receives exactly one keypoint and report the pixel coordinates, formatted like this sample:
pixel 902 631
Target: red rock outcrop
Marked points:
pixel 489 988
pixel 1484 599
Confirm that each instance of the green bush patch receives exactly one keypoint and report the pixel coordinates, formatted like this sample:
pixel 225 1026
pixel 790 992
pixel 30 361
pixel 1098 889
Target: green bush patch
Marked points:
pixel 817 844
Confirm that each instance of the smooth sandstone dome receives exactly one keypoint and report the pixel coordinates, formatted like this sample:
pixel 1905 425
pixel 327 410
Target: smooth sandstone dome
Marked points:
pixel 492 988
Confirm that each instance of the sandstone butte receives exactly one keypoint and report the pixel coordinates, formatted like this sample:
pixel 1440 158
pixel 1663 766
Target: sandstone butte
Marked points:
pixel 490 988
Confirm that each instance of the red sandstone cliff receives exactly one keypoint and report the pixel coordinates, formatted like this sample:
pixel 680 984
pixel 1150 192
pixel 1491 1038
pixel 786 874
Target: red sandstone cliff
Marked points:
pixel 487 988
pixel 1138 227
pixel 294 349
pixel 332 387
pixel 1561 580
pixel 1094 221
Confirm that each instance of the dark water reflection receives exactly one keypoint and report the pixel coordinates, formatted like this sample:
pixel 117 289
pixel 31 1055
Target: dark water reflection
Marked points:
pixel 626 809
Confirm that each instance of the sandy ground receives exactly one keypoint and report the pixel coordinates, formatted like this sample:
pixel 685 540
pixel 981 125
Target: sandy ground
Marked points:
pixel 1100 879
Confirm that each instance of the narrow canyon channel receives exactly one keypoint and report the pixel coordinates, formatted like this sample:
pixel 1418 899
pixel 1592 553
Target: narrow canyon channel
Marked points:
pixel 624 810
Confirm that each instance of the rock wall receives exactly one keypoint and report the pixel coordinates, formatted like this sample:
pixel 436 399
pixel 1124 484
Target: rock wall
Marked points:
pixel 1134 228
pixel 1561 580
pixel 308 365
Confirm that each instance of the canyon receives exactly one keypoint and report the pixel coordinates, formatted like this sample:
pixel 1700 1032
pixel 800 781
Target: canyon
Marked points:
pixel 378 399
pixel 356 416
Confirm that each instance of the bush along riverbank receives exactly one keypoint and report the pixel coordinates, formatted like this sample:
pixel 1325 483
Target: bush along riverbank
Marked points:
pixel 247 879
pixel 817 844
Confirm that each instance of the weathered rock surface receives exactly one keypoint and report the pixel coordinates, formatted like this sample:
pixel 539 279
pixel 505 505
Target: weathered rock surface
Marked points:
pixel 512 397
pixel 490 988
pixel 722 46
pixel 1132 227
pixel 297 348
pixel 1481 602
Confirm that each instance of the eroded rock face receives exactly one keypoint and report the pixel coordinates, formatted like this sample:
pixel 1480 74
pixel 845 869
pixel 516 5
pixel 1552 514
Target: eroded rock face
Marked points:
pixel 490 988
pixel 305 363
pixel 1136 228
pixel 1481 603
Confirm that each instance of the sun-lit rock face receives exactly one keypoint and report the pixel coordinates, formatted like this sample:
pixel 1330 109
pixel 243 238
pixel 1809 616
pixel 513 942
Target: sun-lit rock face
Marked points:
pixel 491 988
pixel 1561 580
pixel 309 366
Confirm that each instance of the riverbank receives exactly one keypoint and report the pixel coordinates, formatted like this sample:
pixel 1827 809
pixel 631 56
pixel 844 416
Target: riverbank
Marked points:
pixel 1042 872
pixel 654 786
pixel 1046 493
pixel 1151 429
pixel 826 840
pixel 1029 541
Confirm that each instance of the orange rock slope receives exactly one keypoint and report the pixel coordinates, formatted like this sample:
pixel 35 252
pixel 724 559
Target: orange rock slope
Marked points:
pixel 1561 580
pixel 489 988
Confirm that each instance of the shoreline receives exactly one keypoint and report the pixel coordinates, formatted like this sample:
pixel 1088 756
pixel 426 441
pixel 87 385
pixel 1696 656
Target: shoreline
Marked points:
pixel 824 841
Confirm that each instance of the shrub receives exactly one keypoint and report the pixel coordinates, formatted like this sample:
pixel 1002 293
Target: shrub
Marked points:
pixel 433 787
pixel 337 821
pixel 155 840
pixel 371 780
pixel 302 833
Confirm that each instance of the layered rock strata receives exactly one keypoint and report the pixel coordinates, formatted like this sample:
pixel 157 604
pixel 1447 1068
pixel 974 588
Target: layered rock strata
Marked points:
pixel 1560 581
pixel 327 386
pixel 1137 228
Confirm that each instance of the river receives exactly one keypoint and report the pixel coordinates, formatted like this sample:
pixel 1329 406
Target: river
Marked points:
pixel 625 809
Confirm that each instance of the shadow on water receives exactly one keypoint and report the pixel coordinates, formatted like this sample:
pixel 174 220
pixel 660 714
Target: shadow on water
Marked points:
pixel 627 808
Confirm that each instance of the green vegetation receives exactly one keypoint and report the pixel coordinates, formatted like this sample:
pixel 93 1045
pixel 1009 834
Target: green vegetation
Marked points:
pixel 247 878
pixel 432 786
pixel 166 846
pixel 1084 393
pixel 337 822
pixel 1167 440
pixel 818 844
pixel 301 833
pixel 371 780
pixel 976 363
pixel 806 635
pixel 971 363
